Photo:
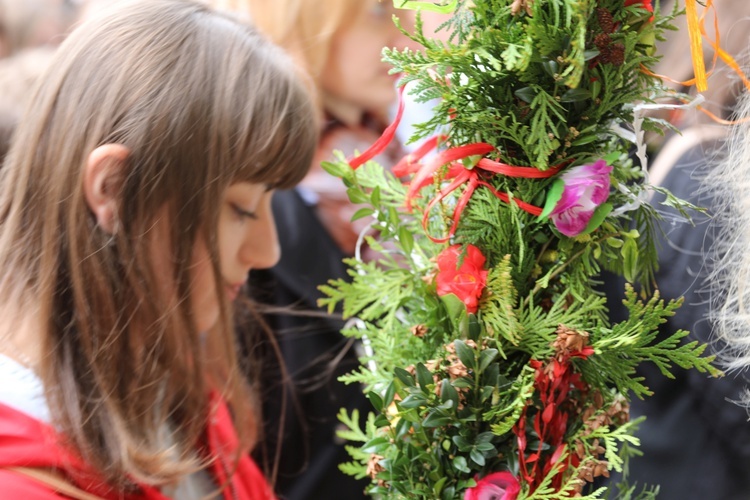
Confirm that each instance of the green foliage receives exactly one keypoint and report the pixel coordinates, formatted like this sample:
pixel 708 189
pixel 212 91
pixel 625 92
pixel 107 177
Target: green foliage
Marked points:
pixel 454 390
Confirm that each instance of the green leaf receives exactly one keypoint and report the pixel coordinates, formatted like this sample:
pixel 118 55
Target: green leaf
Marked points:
pixel 390 393
pixel 486 357
pixel 375 196
pixel 376 445
pixel 553 196
pixel 376 400
pixel 456 309
pixel 462 443
pixel 437 488
pixel 448 392
pixel 336 169
pixel 526 94
pixel 462 383
pixel 436 419
pixel 614 242
pixel 585 139
pixel 357 196
pixel 362 213
pixel 466 354
pixel 427 5
pixel 484 447
pixel 413 401
pixel 477 457
pixel 630 260
pixel 404 376
pixel 575 95
pixel 424 377
pixel 475 327
pixel 612 157
pixel 459 463
pixel 406 238
pixel 601 213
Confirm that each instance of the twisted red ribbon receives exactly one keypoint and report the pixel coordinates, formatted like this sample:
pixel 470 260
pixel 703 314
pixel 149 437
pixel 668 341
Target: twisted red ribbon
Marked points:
pixel 424 172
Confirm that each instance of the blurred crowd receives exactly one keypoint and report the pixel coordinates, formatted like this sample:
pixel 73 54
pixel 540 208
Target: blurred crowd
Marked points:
pixel 696 443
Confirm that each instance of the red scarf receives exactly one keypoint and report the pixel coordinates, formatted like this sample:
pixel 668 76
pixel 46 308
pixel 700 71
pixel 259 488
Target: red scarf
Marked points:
pixel 27 442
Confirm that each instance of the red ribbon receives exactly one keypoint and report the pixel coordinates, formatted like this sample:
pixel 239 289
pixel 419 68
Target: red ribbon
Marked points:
pixel 424 172
pixel 385 139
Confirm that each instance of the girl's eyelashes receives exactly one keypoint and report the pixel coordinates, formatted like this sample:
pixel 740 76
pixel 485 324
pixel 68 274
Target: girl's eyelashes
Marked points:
pixel 244 214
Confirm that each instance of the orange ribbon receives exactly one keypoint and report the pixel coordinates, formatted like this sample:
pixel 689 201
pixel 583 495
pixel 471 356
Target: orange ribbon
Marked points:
pixel 697 32
pixel 696 45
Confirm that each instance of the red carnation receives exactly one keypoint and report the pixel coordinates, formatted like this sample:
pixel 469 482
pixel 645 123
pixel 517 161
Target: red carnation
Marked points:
pixel 500 486
pixel 465 282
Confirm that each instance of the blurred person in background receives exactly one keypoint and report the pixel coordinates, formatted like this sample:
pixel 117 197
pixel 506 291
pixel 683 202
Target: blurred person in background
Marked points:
pixel 31 23
pixel 339 44
pixel 695 443
pixel 17 77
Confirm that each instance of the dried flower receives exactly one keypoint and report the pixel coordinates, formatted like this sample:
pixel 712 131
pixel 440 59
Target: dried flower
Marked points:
pixel 457 369
pixel 617 54
pixel 519 5
pixel 419 330
pixel 606 21
pixel 586 187
pixel 373 465
pixel 570 343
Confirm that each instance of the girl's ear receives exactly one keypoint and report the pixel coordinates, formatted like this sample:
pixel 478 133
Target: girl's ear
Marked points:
pixel 102 181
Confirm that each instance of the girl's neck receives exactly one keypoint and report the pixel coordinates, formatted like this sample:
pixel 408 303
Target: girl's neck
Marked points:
pixel 20 333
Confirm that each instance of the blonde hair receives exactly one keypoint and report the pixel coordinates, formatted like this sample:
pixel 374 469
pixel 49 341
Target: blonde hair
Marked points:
pixel 730 279
pixel 305 28
pixel 201 101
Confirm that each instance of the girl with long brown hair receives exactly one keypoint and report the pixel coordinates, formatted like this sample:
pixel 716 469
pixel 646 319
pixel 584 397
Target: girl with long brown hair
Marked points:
pixel 133 202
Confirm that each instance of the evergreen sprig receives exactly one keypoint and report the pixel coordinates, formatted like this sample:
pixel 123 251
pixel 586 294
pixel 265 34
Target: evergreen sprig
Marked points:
pixel 459 393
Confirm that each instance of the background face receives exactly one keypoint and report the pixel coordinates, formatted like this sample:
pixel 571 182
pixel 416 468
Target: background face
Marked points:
pixel 354 72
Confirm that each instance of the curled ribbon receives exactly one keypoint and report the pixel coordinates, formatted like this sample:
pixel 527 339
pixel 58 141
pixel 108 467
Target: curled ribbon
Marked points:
pixel 697 31
pixel 460 175
pixel 424 172
pixel 696 46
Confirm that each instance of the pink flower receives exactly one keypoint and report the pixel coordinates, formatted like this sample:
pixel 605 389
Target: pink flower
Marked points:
pixel 497 486
pixel 465 282
pixel 586 187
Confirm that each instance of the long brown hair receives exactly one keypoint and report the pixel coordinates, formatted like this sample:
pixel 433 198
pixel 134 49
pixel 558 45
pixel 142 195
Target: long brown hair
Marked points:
pixel 201 101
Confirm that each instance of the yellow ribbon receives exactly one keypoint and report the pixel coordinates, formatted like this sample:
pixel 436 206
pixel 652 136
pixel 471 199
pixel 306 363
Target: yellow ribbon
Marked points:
pixel 696 44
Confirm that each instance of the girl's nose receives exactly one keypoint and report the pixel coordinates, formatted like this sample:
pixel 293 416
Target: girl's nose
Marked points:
pixel 261 248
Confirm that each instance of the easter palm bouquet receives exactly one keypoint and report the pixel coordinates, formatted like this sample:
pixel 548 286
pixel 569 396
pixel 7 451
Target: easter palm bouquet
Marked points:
pixel 491 364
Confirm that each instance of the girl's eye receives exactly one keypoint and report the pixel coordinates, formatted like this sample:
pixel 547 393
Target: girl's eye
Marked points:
pixel 244 214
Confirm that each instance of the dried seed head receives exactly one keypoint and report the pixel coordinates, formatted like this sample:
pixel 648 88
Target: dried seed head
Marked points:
pixel 606 21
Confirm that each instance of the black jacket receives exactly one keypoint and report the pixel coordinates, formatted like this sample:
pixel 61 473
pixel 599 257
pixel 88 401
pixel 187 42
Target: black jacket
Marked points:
pixel 315 354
